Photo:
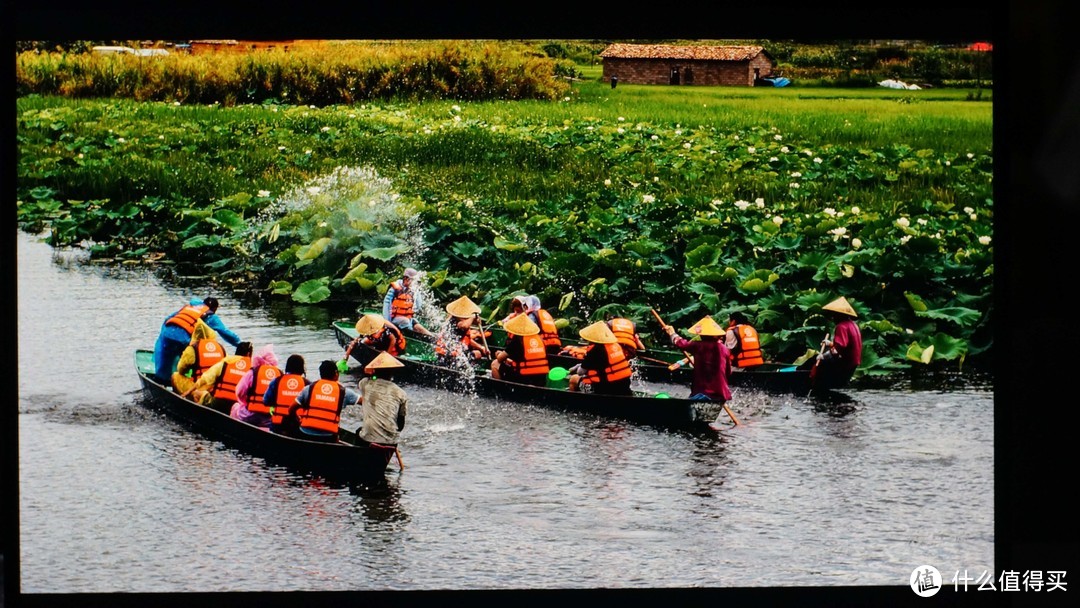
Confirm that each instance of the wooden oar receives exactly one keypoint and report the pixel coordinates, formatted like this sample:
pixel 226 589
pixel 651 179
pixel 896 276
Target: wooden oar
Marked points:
pixel 691 360
pixel 482 336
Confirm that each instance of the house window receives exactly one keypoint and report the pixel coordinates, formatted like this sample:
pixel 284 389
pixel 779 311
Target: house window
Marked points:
pixel 688 76
pixel 674 76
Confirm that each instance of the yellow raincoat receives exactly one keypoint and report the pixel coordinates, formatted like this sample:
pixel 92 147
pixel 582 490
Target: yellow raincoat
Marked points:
pixel 180 380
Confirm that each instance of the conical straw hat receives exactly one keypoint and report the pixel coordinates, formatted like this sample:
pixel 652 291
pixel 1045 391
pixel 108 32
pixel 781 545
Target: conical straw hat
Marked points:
pixel 369 324
pixel 598 333
pixel 841 306
pixel 462 308
pixel 521 325
pixel 383 361
pixel 707 327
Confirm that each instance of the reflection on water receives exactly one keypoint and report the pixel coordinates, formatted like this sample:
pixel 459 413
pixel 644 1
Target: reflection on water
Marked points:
pixel 493 495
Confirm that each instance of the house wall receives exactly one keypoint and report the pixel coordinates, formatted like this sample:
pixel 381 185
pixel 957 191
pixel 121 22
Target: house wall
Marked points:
pixel 705 73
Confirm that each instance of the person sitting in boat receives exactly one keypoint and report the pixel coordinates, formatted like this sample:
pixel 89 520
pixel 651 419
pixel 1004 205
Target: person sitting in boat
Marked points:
pixel 604 369
pixel 742 342
pixel 626 333
pixel 525 358
pixel 319 405
pixel 203 352
pixel 517 307
pixel 216 387
pixel 543 319
pixel 384 403
pixel 281 394
pixel 250 404
pixel 376 332
pixel 841 355
pixel 176 330
pixel 460 337
pixel 402 303
pixel 711 359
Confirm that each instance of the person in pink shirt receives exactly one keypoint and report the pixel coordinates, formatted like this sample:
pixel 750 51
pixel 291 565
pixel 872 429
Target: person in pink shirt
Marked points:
pixel 249 405
pixel 841 355
pixel 712 360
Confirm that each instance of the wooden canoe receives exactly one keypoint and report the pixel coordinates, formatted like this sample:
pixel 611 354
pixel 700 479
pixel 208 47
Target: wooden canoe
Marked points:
pixel 770 377
pixel 348 460
pixel 422 368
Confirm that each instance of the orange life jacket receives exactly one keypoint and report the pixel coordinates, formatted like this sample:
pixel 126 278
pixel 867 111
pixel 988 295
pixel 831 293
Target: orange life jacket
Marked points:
pixel 323 412
pixel 578 352
pixel 186 317
pixel 391 337
pixel 548 331
pixel 625 332
pixel 208 353
pixel 470 341
pixel 402 304
pixel 263 375
pixel 749 353
pixel 536 361
pixel 618 368
pixel 225 386
pixel 288 389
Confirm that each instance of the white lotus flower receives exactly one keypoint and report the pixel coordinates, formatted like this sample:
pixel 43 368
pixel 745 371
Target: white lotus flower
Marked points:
pixel 264 193
pixel 742 205
pixel 856 243
pixel 903 222
pixel 777 220
pixel 984 240
pixel 648 198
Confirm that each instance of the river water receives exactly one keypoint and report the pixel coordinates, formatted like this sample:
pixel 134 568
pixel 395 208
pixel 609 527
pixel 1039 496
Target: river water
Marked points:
pixel 114 498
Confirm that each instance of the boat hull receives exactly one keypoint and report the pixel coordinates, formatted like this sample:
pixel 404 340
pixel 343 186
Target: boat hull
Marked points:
pixel 347 460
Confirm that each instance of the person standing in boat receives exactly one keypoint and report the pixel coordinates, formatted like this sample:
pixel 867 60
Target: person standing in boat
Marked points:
pixel 841 355
pixel 216 387
pixel 202 352
pixel 742 341
pixel 626 333
pixel 175 334
pixel 461 337
pixel 384 404
pixel 250 403
pixel 604 368
pixel 376 332
pixel 281 394
pixel 402 303
pixel 319 405
pixel 543 319
pixel 712 360
pixel 525 358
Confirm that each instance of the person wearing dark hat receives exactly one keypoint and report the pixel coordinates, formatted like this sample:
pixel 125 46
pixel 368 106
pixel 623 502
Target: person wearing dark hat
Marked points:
pixel 525 358
pixel 384 404
pixel 175 334
pixel 402 303
pixel 604 368
pixel 319 405
pixel 742 341
pixel 712 361
pixel 841 355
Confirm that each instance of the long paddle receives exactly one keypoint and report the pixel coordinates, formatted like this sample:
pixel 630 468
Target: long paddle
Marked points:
pixel 482 336
pixel 691 359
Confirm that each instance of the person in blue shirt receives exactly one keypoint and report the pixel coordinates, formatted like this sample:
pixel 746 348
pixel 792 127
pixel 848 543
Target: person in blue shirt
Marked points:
pixel 402 303
pixel 176 330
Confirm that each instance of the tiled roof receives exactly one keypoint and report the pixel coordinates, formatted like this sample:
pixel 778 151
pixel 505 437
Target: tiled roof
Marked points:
pixel 668 51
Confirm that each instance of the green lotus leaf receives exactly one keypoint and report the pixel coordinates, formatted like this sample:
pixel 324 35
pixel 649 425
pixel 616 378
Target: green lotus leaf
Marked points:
pixel 916 302
pixel 467 249
pixel 314 250
pixel 565 300
pixel 354 273
pixel 312 291
pixel 947 347
pixel 201 240
pixel 917 353
pixel 282 288
pixel 754 285
pixel 788 242
pixel 385 254
pixel 705 255
pixel 502 243
pixel 957 314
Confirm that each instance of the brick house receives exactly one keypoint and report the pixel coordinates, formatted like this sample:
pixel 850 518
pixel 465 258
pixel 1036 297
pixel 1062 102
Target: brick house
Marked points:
pixel 701 65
